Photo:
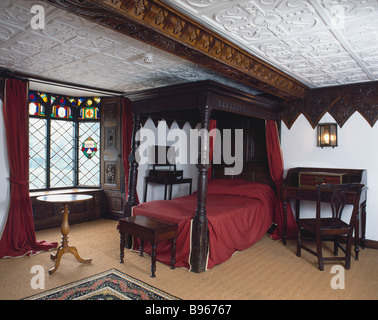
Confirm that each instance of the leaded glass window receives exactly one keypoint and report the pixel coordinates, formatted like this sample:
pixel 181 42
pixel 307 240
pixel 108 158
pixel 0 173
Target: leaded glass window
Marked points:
pixel 89 161
pixel 64 141
pixel 37 153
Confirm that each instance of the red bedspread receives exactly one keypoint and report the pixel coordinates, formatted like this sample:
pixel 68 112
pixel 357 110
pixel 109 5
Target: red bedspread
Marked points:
pixel 239 213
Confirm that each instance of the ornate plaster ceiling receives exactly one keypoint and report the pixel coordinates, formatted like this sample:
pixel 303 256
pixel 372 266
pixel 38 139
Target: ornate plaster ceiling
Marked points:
pixel 74 50
pixel 318 42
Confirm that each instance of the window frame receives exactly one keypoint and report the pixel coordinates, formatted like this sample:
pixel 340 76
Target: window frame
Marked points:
pixel 48 108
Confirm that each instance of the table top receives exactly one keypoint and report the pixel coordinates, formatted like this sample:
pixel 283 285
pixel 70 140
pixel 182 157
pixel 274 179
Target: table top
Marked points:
pixel 64 198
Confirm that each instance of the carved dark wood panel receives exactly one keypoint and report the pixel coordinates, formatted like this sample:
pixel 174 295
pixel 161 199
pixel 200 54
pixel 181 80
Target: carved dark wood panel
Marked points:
pixel 341 102
pixel 112 173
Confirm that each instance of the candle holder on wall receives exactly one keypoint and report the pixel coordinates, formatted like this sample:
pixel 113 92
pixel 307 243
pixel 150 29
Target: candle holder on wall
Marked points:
pixel 327 135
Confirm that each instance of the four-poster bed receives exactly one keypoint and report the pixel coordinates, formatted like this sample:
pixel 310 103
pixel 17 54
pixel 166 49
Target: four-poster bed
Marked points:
pixel 197 103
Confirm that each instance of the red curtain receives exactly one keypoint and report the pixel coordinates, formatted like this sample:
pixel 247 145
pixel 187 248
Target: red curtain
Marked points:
pixel 127 134
pixel 213 125
pixel 276 166
pixel 18 237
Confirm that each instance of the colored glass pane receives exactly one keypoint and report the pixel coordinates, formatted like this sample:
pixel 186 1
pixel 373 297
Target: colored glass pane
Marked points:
pixel 89 102
pixel 61 112
pixel 44 97
pixel 80 101
pixel 89 113
pixel 89 148
pixel 97 100
pixel 32 96
pixel 72 101
pixel 36 109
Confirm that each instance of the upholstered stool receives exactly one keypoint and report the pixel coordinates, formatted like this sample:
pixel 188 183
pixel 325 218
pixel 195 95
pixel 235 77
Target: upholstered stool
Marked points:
pixel 148 229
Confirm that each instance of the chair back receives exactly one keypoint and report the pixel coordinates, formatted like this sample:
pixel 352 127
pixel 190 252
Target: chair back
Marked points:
pixel 338 197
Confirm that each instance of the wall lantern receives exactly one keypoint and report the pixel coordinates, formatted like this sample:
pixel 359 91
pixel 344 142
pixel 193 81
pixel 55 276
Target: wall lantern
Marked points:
pixel 327 135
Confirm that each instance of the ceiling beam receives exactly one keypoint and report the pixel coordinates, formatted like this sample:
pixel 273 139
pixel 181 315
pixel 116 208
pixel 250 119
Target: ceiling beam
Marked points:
pixel 155 23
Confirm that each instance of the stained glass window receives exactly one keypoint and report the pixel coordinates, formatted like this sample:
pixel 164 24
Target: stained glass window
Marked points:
pixel 89 108
pixel 64 141
pixel 62 154
pixel 37 153
pixel 89 160
pixel 62 107
pixel 37 104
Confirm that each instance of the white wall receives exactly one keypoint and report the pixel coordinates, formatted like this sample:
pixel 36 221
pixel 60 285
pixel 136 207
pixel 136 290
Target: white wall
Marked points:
pixel 357 149
pixel 4 173
pixel 155 191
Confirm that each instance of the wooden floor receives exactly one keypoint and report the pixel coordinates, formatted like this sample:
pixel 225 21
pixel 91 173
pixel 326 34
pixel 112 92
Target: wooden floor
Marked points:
pixel 268 270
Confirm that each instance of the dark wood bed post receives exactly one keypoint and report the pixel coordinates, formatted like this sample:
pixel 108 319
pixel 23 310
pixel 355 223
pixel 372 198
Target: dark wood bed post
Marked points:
pixel 133 173
pixel 200 236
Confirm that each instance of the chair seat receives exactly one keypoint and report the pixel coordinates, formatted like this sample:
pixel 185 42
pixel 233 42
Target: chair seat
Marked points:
pixel 327 225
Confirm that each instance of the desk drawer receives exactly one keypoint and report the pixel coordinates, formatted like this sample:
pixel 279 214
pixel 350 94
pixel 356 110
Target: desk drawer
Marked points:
pixel 312 179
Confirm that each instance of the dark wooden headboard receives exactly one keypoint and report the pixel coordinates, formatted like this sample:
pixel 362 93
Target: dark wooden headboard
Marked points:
pixel 255 161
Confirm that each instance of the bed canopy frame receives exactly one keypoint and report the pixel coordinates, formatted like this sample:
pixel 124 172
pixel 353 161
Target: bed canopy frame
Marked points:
pixel 193 102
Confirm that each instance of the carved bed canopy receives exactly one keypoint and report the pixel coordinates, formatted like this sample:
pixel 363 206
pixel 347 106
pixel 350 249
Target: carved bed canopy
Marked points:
pixel 197 101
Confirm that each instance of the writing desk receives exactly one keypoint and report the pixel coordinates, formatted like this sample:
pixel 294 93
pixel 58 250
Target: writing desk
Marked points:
pixel 292 190
pixel 166 181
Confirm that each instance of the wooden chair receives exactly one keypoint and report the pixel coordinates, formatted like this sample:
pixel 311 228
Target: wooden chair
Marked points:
pixel 331 228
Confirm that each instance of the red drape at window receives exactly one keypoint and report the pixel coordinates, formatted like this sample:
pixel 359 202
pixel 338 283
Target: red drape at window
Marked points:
pixel 18 237
pixel 276 166
pixel 213 125
pixel 127 134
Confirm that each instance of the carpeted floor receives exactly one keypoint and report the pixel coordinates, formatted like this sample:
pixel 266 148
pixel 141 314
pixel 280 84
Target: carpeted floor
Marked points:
pixel 268 270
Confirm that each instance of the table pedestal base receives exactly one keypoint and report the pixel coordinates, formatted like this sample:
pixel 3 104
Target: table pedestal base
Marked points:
pixel 61 251
pixel 64 248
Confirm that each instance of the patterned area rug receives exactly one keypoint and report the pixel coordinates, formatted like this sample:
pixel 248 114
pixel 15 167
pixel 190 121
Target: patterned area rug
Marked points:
pixel 108 285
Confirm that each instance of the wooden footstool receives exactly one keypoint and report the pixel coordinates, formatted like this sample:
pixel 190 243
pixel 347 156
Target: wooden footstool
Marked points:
pixel 149 229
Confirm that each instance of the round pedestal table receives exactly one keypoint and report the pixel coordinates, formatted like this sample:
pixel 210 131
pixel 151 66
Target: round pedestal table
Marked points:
pixel 65 200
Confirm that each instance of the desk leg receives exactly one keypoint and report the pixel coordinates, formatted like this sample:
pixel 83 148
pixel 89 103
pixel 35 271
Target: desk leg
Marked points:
pixel 165 191
pixel 284 222
pixel 360 217
pixel 363 224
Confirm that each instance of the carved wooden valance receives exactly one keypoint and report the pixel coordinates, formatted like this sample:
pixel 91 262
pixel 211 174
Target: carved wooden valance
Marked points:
pixel 340 102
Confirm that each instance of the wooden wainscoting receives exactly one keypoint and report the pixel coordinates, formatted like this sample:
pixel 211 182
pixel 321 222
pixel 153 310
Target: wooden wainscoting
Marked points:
pixel 48 215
